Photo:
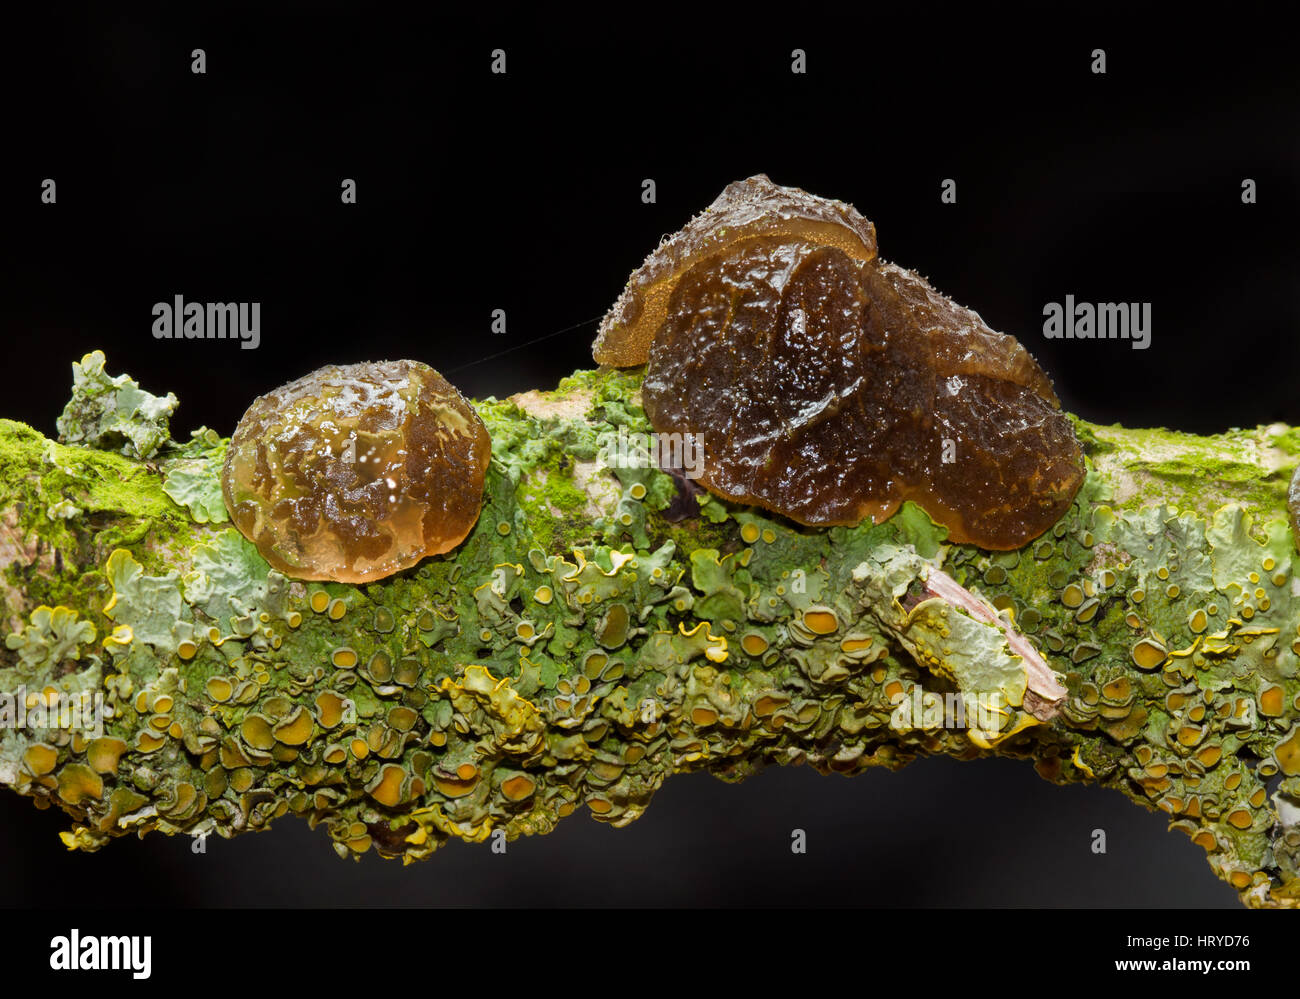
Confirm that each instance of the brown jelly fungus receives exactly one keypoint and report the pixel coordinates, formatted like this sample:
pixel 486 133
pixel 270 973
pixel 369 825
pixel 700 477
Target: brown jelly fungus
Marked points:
pixel 829 386
pixel 747 209
pixel 355 472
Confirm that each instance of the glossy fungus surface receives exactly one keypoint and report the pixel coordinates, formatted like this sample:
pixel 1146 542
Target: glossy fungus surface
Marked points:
pixel 829 386
pixel 746 209
pixel 353 473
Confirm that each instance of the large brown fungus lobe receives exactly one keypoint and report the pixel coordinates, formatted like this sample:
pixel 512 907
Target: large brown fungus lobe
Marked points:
pixel 829 386
pixel 353 473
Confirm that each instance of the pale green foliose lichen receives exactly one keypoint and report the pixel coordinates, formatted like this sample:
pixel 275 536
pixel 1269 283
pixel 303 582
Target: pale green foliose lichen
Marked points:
pixel 193 477
pixel 578 648
pixel 114 413
pixel 53 636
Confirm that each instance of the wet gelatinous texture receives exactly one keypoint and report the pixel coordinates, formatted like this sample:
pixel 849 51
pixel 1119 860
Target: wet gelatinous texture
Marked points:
pixel 353 473
pixel 830 388
pixel 747 209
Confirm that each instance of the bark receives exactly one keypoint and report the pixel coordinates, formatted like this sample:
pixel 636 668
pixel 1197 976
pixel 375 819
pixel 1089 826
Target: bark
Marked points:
pixel 607 625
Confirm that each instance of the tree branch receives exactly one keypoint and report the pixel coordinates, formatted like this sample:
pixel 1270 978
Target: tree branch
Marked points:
pixel 583 644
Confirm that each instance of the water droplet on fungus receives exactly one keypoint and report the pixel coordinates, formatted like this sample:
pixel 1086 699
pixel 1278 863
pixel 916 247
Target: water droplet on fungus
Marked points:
pixel 296 485
pixel 823 382
pixel 745 210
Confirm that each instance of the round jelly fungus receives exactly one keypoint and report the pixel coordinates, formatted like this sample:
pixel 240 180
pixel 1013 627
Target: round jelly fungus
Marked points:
pixel 355 472
pixel 828 386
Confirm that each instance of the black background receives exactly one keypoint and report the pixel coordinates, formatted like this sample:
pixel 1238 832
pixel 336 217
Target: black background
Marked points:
pixel 523 192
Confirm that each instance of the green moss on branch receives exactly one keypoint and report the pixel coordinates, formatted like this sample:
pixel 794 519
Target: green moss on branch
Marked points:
pixel 580 647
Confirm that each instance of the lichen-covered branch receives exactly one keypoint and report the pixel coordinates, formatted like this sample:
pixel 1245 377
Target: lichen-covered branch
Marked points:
pixel 584 643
